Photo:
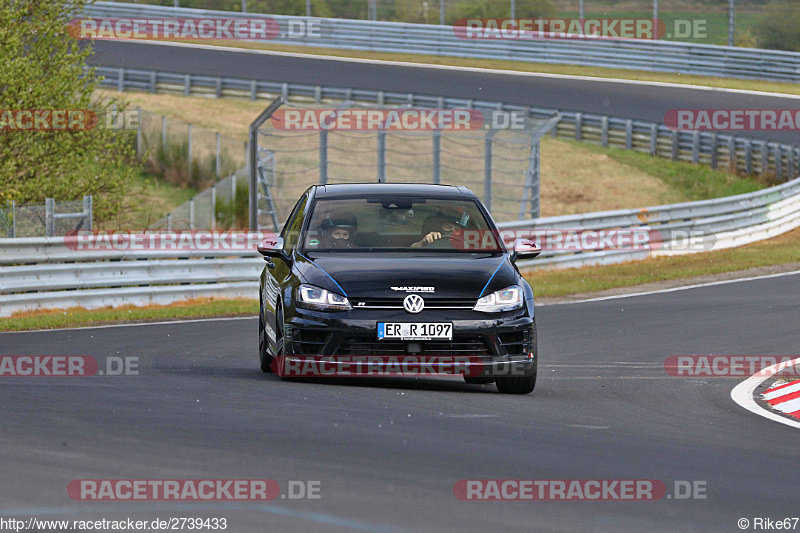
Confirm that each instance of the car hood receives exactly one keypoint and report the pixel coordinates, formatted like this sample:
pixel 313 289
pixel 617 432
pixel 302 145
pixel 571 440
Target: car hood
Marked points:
pixel 374 276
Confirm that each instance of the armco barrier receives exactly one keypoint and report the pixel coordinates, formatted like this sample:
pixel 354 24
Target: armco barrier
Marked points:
pixel 40 273
pixel 746 154
pixel 649 55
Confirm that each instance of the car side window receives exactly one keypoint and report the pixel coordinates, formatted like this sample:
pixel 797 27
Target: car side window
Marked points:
pixel 291 231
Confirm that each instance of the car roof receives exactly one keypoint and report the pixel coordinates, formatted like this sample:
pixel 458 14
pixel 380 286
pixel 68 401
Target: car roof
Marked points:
pixel 343 190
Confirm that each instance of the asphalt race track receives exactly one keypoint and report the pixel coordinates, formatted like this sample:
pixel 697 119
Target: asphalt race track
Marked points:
pixel 644 102
pixel 388 451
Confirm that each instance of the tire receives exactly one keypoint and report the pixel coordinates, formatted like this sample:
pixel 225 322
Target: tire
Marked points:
pixel 517 385
pixel 265 359
pixel 279 345
pixel 474 380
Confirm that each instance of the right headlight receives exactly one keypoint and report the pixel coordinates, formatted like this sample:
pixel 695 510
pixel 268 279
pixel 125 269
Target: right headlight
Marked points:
pixel 312 297
pixel 503 300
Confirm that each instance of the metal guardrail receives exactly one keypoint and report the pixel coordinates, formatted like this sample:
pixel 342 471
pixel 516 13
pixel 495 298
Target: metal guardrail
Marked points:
pixel 648 55
pixel 40 273
pixel 750 155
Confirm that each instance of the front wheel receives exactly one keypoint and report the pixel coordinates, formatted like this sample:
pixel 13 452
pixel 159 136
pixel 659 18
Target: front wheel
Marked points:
pixel 517 385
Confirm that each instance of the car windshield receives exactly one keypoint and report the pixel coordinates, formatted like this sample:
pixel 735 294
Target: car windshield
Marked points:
pixel 399 224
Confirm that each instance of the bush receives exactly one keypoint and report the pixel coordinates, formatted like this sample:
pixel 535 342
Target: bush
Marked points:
pixel 233 214
pixel 779 28
pixel 474 9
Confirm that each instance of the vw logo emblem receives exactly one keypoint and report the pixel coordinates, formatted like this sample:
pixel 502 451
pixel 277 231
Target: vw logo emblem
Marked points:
pixel 413 303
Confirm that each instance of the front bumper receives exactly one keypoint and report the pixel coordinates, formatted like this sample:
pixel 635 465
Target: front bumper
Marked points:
pixel 347 342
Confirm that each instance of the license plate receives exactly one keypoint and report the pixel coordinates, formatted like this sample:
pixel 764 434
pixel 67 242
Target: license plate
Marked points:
pixel 415 331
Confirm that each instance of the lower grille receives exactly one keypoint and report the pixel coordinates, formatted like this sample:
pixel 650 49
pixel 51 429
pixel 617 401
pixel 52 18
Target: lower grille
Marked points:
pixel 516 343
pixel 309 342
pixel 362 346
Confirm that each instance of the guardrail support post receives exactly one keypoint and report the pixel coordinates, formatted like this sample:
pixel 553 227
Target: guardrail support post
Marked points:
pixel 49 218
pixel 578 126
pixel 381 97
pixel 604 131
pixel 748 157
pixel 187 85
pixel 628 134
pixel 695 147
pixel 253 89
pixel 778 162
pixel 219 88
pixel 791 164
pixel 381 156
pixel 764 158
pixel 487 169
pixel 654 139
pixel 169 221
pixel 121 80
pixel 323 157
pixel 437 157
pixel 153 82
pixel 675 144
pixel 317 94
pixel 191 214
pixel 87 212
pixel 714 148
pixel 733 165
pixel 285 90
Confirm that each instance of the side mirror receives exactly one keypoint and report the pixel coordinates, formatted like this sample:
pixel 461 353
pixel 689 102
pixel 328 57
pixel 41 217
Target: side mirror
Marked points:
pixel 271 247
pixel 525 249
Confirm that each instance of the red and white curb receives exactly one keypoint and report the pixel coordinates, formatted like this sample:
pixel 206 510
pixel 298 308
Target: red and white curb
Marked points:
pixel 784 398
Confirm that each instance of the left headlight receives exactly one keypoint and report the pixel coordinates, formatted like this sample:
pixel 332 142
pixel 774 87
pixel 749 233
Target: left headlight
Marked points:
pixel 503 300
pixel 313 297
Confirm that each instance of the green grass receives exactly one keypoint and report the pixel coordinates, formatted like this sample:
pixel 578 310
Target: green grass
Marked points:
pixel 151 198
pixel 779 250
pixel 76 317
pixel 687 181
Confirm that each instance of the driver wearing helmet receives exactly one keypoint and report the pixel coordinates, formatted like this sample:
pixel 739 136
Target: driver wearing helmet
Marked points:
pixel 448 230
pixel 339 230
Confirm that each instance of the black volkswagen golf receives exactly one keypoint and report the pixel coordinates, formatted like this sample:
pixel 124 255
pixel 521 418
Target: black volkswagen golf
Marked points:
pixel 366 276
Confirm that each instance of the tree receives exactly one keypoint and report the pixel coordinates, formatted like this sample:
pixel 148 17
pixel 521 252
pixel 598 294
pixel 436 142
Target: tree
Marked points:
pixel 779 28
pixel 43 68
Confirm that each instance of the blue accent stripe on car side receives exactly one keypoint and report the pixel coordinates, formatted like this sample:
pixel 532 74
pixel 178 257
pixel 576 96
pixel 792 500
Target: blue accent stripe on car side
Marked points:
pixel 324 272
pixel 491 278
